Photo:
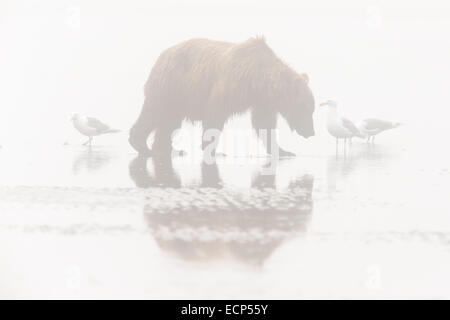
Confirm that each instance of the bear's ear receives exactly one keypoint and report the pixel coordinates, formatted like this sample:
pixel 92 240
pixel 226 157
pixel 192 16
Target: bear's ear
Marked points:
pixel 305 77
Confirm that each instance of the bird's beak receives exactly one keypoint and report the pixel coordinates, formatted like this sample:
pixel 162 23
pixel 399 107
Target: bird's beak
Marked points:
pixel 323 104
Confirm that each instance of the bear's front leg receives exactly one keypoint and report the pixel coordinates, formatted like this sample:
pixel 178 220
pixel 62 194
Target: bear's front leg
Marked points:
pixel 272 145
pixel 264 123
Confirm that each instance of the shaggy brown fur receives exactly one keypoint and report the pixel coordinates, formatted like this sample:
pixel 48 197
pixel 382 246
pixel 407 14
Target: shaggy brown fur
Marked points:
pixel 209 81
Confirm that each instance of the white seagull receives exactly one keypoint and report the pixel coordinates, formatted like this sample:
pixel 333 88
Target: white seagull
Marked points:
pixel 339 127
pixel 371 127
pixel 90 127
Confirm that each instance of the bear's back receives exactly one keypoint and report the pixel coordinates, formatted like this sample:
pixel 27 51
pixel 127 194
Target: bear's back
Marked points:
pixel 188 64
pixel 199 74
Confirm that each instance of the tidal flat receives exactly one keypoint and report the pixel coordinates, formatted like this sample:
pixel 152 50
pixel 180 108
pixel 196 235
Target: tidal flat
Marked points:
pixel 101 222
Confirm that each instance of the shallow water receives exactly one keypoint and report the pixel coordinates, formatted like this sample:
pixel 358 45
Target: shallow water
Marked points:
pixel 100 222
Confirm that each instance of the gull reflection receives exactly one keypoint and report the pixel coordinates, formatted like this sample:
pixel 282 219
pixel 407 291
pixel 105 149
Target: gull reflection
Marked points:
pixel 209 221
pixel 360 159
pixel 91 159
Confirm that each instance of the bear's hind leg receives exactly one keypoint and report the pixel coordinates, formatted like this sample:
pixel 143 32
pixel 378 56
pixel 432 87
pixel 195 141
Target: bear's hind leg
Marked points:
pixel 163 138
pixel 140 131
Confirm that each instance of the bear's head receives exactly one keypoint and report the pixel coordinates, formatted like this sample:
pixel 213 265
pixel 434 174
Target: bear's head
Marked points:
pixel 299 109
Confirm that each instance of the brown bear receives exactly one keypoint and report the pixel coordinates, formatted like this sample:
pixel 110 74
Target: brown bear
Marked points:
pixel 209 81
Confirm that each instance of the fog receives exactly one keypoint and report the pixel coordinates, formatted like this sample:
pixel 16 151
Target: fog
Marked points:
pixel 81 221
pixel 385 59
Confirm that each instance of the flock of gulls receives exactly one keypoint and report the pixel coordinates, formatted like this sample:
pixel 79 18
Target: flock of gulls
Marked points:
pixel 337 126
pixel 342 128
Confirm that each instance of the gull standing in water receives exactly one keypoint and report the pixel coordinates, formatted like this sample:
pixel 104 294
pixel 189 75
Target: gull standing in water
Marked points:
pixel 90 127
pixel 371 127
pixel 339 127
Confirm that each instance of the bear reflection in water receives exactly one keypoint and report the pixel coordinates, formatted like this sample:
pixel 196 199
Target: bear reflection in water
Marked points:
pixel 210 221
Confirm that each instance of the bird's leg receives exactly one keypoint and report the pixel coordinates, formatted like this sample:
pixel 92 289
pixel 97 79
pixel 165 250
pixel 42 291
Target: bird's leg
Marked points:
pixel 368 139
pixel 87 141
pixel 373 139
pixel 337 149
pixel 90 141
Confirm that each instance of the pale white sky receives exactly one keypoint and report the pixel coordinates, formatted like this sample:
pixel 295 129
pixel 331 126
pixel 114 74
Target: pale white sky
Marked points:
pixel 376 58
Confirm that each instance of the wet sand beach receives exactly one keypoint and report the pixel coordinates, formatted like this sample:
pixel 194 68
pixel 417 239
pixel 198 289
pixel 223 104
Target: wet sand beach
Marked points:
pixel 101 222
